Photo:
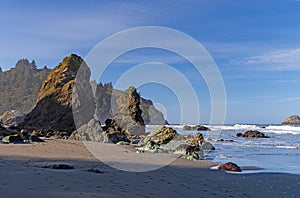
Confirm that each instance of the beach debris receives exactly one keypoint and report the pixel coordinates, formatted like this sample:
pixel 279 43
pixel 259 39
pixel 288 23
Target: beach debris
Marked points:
pixel 59 166
pixel 252 134
pixel 230 166
pixel 195 128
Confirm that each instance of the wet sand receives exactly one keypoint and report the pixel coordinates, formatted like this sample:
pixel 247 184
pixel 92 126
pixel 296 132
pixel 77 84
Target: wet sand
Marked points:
pixel 22 175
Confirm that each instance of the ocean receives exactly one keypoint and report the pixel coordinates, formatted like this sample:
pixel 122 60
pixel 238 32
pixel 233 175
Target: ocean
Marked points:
pixel 280 153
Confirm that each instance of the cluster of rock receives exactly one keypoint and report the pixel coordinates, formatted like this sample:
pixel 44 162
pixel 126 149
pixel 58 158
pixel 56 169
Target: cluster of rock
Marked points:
pixel 65 107
pixel 13 136
pixel 164 139
pixel 292 120
pixel 92 131
pixel 252 134
pixel 195 128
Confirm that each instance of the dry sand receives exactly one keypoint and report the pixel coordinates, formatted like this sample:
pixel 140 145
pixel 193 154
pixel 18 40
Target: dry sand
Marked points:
pixel 22 176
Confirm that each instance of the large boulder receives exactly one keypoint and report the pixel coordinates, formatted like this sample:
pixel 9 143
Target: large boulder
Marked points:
pixel 252 134
pixel 91 131
pixel 160 135
pixel 190 152
pixel 12 139
pixel 229 166
pixel 292 120
pixel 12 118
pixel 59 94
pixel 129 114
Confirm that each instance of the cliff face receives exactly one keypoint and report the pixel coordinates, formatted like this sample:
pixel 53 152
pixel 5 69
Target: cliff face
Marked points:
pixel 19 86
pixel 292 120
pixel 53 109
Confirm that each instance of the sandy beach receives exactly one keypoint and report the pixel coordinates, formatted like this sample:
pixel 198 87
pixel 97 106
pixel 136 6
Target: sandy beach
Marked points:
pixel 22 175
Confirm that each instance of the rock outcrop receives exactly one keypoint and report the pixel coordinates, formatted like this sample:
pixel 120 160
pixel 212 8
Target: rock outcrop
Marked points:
pixel 292 120
pixel 129 114
pixel 252 134
pixel 57 96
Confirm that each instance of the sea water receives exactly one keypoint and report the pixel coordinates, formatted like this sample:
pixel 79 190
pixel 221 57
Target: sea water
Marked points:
pixel 279 153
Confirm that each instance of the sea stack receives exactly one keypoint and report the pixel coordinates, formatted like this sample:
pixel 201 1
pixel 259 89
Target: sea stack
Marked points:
pixel 57 96
pixel 129 113
pixel 292 120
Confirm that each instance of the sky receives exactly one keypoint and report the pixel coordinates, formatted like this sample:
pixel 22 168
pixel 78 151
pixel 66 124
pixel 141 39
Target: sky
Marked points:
pixel 255 45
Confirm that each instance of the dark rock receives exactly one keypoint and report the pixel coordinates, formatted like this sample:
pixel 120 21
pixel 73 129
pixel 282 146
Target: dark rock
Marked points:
pixel 187 128
pixel 34 138
pixel 111 123
pixel 58 135
pixel 222 140
pixel 195 128
pixel 13 139
pixel 11 119
pixel 61 99
pixel 239 135
pixel 229 166
pixel 207 146
pixel 292 120
pixel 252 134
pixel 24 134
pixel 201 128
pixel 92 170
pixel 59 166
pixel 129 114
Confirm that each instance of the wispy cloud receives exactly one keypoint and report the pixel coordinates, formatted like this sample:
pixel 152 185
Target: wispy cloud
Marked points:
pixel 284 60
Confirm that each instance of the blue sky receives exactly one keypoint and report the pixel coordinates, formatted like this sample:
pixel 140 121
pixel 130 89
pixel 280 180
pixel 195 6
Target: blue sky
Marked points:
pixel 255 44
